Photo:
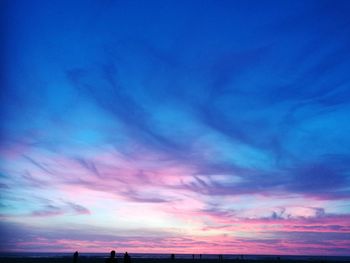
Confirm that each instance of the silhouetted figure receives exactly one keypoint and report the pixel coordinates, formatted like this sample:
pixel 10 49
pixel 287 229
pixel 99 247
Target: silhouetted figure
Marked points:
pixel 172 256
pixel 112 258
pixel 200 256
pixel 192 256
pixel 75 257
pixel 220 258
pixel 127 258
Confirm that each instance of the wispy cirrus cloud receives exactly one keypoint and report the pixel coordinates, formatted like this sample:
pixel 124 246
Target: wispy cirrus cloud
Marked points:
pixel 220 138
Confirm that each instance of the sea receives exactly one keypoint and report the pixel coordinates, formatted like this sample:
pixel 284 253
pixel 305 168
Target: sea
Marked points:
pixel 182 256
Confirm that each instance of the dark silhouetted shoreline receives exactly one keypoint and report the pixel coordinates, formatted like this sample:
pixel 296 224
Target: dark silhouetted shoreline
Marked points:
pixel 219 259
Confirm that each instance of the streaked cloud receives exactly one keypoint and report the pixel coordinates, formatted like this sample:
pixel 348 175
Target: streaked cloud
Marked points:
pixel 221 130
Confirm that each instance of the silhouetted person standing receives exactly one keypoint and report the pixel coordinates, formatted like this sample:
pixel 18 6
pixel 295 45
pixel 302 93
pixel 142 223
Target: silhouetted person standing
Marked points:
pixel 75 257
pixel 127 258
pixel 112 258
pixel 172 256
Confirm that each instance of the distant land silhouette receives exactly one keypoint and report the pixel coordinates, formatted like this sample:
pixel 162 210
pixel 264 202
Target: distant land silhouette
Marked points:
pixel 115 257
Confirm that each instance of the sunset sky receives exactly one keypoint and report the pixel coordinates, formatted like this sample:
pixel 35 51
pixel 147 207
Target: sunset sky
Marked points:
pixel 175 126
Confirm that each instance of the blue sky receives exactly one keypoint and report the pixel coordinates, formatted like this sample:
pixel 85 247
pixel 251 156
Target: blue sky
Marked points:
pixel 211 120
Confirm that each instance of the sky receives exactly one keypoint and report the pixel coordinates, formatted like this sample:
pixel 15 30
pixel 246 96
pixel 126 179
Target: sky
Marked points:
pixel 175 126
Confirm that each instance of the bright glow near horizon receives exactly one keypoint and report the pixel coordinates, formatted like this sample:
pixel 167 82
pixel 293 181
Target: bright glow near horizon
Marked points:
pixel 176 127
